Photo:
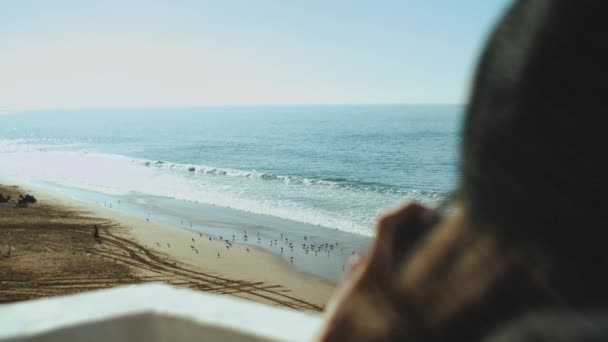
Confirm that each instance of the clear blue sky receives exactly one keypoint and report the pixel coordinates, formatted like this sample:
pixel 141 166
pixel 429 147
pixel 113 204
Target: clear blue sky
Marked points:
pixel 186 53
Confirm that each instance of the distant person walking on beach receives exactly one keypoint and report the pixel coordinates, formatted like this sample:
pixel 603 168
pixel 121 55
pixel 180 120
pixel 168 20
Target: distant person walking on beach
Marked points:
pixel 96 234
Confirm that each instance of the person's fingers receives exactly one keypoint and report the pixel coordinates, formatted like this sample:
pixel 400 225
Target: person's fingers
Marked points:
pixel 397 231
pixel 354 262
pixel 399 217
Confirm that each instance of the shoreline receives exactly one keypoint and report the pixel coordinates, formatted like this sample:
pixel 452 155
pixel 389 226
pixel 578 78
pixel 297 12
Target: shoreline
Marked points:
pixel 265 274
pixel 314 250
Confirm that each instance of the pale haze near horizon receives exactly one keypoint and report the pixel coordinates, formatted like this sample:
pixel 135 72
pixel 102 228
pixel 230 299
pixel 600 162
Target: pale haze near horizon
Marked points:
pixel 95 54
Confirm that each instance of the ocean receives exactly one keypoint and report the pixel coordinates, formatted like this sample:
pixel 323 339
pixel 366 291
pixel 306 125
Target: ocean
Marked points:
pixel 307 167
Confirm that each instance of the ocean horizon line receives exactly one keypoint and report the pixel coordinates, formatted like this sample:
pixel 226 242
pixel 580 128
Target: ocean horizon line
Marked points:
pixel 17 110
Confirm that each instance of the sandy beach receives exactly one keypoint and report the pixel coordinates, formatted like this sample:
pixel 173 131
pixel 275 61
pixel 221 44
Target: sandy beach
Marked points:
pixel 48 249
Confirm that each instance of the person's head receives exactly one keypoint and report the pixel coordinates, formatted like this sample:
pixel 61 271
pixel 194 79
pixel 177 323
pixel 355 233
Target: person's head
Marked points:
pixel 533 139
pixel 527 228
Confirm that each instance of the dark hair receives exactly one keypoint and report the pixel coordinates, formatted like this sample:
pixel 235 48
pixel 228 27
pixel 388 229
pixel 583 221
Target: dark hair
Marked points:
pixel 530 226
pixel 533 173
pixel 534 144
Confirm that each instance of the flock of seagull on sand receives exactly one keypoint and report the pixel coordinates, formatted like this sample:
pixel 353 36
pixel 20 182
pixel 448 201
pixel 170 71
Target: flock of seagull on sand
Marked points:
pixel 281 243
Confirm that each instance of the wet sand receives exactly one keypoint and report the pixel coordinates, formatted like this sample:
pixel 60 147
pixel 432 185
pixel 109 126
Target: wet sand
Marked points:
pixel 53 252
pixel 316 250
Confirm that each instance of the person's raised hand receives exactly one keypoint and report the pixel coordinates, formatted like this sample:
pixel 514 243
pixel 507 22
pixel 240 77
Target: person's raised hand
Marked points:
pixel 365 306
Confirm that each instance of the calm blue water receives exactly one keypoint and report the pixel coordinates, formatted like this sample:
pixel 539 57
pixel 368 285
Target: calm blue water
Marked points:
pixel 333 166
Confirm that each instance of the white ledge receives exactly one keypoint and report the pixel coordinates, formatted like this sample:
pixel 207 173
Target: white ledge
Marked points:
pixel 152 312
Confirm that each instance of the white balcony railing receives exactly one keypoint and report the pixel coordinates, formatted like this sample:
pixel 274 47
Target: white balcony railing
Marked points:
pixel 151 312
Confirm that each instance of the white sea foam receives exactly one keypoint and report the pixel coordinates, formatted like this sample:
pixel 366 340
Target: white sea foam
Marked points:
pixel 295 198
pixel 31 145
pixel 253 174
pixel 118 175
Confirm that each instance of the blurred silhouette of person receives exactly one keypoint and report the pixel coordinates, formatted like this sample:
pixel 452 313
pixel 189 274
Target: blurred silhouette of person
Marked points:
pixel 525 233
